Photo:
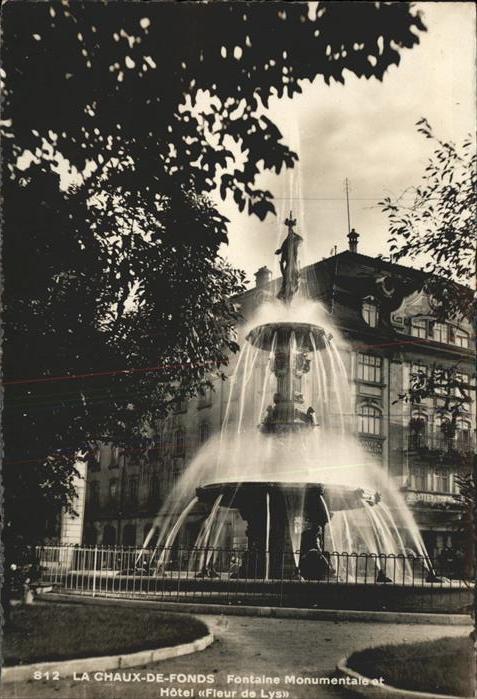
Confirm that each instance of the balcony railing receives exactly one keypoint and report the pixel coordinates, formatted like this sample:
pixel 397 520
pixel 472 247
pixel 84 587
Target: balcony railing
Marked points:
pixel 451 449
pixel 373 445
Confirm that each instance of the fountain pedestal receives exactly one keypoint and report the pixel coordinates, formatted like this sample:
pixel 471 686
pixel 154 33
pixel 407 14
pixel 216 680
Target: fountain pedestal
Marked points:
pixel 284 520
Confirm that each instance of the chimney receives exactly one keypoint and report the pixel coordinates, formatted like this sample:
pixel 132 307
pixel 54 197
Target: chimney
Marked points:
pixel 353 240
pixel 263 277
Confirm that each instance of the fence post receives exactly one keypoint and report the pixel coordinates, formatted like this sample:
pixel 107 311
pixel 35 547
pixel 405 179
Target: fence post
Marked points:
pixel 95 559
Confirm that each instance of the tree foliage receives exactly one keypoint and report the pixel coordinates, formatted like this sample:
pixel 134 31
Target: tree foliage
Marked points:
pixel 121 319
pixel 182 89
pixel 119 120
pixel 438 227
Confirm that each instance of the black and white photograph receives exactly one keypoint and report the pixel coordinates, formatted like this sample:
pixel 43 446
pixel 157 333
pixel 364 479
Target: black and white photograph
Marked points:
pixel 238 349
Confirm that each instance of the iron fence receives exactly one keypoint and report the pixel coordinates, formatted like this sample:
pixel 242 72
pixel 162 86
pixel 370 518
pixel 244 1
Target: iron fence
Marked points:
pixel 233 576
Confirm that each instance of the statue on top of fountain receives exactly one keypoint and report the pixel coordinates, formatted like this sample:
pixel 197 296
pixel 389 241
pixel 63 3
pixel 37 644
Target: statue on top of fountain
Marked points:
pixel 289 262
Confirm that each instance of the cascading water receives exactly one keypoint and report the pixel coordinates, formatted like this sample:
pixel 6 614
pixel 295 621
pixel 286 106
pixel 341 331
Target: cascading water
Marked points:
pixel 300 484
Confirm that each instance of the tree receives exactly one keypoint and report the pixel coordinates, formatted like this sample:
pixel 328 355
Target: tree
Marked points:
pixel 439 228
pixel 82 362
pixel 182 90
pixel 119 120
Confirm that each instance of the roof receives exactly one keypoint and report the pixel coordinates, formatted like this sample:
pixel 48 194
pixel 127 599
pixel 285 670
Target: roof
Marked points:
pixel 343 281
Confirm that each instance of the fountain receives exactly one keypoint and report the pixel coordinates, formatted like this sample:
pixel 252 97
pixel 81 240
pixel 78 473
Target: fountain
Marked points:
pixel 300 483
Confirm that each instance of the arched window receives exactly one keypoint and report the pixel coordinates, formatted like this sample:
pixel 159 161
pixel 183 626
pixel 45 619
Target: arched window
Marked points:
pixel 369 420
pixel 370 312
pixel 443 432
pixel 417 430
pixel 203 432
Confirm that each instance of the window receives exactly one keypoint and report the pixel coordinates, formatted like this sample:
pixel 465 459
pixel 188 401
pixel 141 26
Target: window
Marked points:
pixel 109 535
pixel 129 535
pixel 179 442
pixel 203 432
pixel 443 432
pixel 205 398
pixel 419 327
pixel 439 332
pixel 463 435
pixel 93 459
pixel 462 378
pixel 133 482
pixel 94 492
pixel 114 488
pixel 369 368
pixel 155 449
pixel 441 481
pixel 370 312
pixel 460 338
pixel 154 486
pixel 419 478
pixel 369 420
pixel 114 458
pixel 418 431
pixel 418 376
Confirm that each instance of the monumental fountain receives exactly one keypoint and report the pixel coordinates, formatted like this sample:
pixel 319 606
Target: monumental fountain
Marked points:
pixel 299 480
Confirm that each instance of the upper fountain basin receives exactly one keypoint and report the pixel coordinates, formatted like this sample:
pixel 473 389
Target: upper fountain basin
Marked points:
pixel 308 336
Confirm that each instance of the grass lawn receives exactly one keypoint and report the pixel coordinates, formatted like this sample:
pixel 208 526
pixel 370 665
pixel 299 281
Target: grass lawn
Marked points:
pixel 445 666
pixel 43 632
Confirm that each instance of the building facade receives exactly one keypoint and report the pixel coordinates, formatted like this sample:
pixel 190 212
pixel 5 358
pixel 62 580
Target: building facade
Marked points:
pixel 389 322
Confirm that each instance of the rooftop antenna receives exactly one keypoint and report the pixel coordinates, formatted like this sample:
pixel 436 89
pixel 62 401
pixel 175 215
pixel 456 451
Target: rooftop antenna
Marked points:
pixel 347 203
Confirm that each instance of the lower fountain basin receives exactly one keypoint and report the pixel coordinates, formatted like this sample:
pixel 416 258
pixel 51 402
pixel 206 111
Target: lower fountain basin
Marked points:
pixel 238 494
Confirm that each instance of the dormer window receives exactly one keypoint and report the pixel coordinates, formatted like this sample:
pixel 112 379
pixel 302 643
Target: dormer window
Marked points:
pixel 439 332
pixel 419 327
pixel 370 312
pixel 460 338
pixel 445 333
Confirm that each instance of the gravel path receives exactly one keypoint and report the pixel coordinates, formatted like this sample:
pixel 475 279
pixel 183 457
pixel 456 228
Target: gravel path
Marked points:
pixel 244 646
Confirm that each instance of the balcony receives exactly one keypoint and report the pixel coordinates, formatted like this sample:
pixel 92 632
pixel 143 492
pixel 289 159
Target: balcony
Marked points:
pixel 372 444
pixel 436 447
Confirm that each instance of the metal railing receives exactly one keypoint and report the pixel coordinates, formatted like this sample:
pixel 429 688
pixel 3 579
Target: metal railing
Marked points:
pixel 234 576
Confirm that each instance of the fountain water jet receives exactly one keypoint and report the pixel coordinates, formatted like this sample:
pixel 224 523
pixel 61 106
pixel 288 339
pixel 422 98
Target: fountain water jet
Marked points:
pixel 288 479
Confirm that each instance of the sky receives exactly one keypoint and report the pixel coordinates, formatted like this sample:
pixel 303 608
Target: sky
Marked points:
pixel 363 130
